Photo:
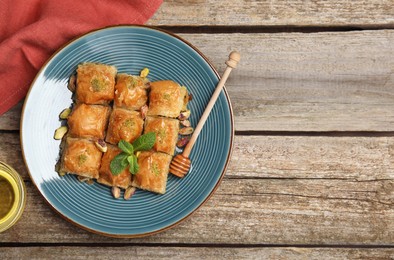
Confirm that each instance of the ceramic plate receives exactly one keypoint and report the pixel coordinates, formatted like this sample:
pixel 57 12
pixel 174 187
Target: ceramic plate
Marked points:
pixel 129 48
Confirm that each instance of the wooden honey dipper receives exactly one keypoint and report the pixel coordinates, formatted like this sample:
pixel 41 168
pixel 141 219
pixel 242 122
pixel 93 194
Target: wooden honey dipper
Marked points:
pixel 180 165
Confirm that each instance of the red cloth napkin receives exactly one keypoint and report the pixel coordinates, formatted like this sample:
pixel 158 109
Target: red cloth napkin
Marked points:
pixel 31 31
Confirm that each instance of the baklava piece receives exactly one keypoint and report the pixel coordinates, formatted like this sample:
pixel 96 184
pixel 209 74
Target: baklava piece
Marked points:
pixel 124 125
pixel 88 121
pixel 166 130
pixel 106 177
pixel 95 83
pixel 166 98
pixel 81 157
pixel 130 92
pixel 153 171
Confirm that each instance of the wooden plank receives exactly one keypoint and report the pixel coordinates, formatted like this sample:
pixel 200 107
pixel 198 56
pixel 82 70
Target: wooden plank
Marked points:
pixel 307 157
pixel 309 82
pixel 143 252
pixel 10 119
pixel 342 81
pixel 347 158
pixel 275 13
pixel 250 212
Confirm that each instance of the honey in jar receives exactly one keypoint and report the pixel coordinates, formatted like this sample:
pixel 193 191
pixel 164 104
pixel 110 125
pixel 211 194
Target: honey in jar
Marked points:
pixel 12 196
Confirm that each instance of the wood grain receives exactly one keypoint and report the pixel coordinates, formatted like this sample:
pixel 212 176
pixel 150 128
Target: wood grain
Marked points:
pixel 275 13
pixel 286 157
pixel 333 190
pixel 342 81
pixel 250 212
pixel 143 252
pixel 302 157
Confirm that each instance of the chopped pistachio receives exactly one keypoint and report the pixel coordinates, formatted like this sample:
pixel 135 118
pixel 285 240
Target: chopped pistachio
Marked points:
pixel 186 131
pixel 60 132
pixel 132 83
pixel 65 113
pixel 101 145
pixel 83 178
pixel 166 96
pixel 71 83
pixel 115 192
pixel 129 192
pixel 82 158
pixel 97 85
pixel 185 123
pixel 184 115
pixel 161 134
pixel 128 123
pixel 183 142
pixel 155 168
pixel 144 72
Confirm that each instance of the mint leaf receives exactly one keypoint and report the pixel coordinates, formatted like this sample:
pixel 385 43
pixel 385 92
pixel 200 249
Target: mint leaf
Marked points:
pixel 126 147
pixel 133 168
pixel 145 142
pixel 118 163
pixel 136 166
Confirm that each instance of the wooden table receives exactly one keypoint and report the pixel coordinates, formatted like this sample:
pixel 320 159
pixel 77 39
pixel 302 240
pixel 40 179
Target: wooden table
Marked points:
pixel 312 171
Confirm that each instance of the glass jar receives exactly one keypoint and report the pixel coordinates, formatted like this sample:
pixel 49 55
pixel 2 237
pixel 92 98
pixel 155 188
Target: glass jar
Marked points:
pixel 12 196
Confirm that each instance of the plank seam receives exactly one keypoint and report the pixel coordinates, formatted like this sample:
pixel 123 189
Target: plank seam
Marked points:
pixel 290 133
pixel 218 29
pixel 318 133
pixel 202 245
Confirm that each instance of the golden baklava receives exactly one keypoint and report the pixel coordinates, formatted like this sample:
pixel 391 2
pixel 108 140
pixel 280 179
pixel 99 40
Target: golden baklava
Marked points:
pixel 89 121
pixel 153 171
pixel 81 157
pixel 124 125
pixel 166 130
pixel 130 92
pixel 106 177
pixel 95 83
pixel 166 98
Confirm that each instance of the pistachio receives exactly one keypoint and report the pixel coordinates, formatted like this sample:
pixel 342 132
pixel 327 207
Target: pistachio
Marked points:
pixel 144 111
pixel 129 192
pixel 71 83
pixel 83 178
pixel 144 72
pixel 65 113
pixel 186 130
pixel 57 167
pixel 60 132
pixel 184 115
pixel 185 123
pixel 101 145
pixel 183 141
pixel 137 154
pixel 115 192
pixel 62 173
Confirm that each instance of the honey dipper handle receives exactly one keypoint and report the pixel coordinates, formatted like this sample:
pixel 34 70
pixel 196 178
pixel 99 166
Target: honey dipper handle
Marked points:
pixel 234 58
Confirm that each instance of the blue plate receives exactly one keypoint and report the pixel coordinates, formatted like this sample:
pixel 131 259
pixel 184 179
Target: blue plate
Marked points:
pixel 129 48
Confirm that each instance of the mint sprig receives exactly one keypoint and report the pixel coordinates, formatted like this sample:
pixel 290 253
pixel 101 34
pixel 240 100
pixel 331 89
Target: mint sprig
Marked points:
pixel 126 147
pixel 127 157
pixel 144 142
pixel 118 163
